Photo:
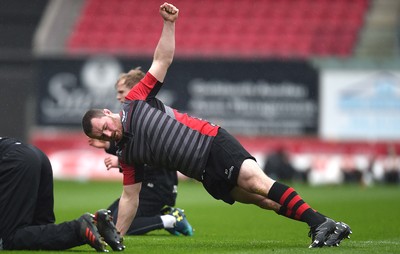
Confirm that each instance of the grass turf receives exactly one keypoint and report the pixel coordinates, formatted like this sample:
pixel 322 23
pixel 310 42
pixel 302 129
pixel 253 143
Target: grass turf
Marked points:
pixel 220 228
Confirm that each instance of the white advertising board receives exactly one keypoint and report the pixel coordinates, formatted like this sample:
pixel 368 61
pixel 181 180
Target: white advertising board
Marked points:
pixel 360 105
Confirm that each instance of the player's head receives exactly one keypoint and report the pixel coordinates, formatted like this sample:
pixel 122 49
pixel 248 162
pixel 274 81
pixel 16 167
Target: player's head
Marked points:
pixel 126 81
pixel 102 124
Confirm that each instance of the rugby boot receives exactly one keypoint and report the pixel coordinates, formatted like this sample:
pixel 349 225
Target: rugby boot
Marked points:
pixel 90 233
pixel 107 229
pixel 320 233
pixel 182 225
pixel 341 232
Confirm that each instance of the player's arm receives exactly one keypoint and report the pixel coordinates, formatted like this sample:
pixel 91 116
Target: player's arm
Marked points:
pixel 99 143
pixel 164 52
pixel 127 208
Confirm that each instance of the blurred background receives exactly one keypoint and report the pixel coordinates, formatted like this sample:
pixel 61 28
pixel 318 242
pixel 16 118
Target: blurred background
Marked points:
pixel 310 87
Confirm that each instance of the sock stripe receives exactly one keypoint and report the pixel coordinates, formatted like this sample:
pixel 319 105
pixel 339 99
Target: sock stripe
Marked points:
pixel 289 213
pixel 301 210
pixel 290 197
pixel 285 195
pixel 292 205
pixel 294 201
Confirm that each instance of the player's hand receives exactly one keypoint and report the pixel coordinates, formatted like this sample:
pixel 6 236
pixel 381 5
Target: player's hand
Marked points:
pixel 111 162
pixel 169 12
pixel 99 143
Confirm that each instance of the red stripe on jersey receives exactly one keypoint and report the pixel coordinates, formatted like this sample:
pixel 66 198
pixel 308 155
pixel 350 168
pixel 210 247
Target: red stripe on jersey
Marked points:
pixel 141 90
pixel 202 126
pixel 285 195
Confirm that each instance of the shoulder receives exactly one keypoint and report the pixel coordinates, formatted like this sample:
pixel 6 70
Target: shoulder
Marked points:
pixel 144 88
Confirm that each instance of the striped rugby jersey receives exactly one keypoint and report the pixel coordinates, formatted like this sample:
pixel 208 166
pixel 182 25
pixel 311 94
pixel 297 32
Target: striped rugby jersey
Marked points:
pixel 157 135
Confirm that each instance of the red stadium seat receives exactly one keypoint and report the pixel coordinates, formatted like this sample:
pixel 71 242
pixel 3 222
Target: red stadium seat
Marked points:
pixel 248 28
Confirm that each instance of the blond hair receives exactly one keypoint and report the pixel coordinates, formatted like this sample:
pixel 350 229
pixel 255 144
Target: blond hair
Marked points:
pixel 131 78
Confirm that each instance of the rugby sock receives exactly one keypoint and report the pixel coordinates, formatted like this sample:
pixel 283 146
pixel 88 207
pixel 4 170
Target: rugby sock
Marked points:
pixel 293 206
pixel 168 220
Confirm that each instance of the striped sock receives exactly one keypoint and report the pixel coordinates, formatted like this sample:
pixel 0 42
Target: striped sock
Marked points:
pixel 293 206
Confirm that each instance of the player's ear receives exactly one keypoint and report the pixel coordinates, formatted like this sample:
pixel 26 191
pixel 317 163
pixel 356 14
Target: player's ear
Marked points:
pixel 107 112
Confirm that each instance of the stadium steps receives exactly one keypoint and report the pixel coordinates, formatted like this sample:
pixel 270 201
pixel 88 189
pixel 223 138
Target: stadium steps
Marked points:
pixel 55 26
pixel 380 36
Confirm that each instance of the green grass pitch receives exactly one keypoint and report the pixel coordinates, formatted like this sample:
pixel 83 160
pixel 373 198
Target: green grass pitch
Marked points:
pixel 373 213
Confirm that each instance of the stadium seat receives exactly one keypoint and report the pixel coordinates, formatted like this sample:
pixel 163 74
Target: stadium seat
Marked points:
pixel 285 28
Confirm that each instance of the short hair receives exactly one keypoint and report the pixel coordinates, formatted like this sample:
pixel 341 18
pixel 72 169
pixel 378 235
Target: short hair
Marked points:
pixel 131 78
pixel 87 120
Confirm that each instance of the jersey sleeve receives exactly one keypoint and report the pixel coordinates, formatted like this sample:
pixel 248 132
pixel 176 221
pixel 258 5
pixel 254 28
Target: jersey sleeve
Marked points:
pixel 131 175
pixel 144 88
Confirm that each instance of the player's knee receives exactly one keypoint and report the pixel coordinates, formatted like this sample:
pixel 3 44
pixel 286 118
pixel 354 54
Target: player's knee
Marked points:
pixel 253 179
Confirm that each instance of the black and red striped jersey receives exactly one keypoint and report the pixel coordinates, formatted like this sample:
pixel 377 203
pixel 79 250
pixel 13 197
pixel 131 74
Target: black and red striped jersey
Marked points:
pixel 159 136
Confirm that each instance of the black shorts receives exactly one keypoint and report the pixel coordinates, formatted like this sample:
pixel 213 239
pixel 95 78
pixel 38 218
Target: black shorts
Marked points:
pixel 223 166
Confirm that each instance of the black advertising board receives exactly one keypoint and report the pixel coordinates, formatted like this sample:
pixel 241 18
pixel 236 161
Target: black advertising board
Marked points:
pixel 245 97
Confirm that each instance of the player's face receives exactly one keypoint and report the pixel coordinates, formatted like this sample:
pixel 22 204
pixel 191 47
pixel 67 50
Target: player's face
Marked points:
pixel 122 91
pixel 106 128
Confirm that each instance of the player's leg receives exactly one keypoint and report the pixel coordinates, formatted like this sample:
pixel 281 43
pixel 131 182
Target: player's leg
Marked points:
pixel 245 197
pixel 171 219
pixel 143 225
pixel 61 236
pixel 149 218
pixel 47 237
pixel 181 224
pixel 20 176
pixel 229 164
pixel 140 225
pixel 174 222
pixel 341 232
pixel 44 212
pixel 252 179
pixel 158 197
pixel 18 189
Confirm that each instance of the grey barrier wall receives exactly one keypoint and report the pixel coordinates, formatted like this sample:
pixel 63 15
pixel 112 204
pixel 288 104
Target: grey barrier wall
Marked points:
pixel 268 97
pixel 17 95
